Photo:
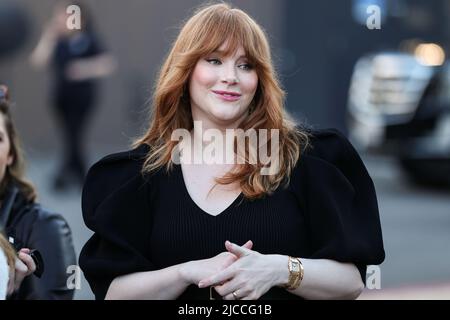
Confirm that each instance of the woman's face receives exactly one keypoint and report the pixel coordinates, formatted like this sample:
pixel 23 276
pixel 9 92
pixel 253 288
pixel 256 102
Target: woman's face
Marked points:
pixel 222 88
pixel 5 155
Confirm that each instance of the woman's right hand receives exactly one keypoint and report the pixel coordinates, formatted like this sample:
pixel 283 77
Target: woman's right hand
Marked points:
pixel 194 271
pixel 24 267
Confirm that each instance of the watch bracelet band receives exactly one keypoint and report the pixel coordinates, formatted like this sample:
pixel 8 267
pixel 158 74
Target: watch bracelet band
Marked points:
pixel 295 278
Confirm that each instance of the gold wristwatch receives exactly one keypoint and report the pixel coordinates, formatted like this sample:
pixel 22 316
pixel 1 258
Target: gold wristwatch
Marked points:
pixel 295 273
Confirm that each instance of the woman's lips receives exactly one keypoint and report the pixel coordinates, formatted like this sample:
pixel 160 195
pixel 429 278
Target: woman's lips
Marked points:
pixel 227 96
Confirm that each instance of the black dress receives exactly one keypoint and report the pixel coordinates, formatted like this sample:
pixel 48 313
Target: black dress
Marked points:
pixel 141 223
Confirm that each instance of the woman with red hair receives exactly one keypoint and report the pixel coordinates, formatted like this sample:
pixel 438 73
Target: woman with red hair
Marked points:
pixel 170 229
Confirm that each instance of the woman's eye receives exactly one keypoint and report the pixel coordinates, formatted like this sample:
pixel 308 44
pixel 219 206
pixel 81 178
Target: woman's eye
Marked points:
pixel 213 61
pixel 246 66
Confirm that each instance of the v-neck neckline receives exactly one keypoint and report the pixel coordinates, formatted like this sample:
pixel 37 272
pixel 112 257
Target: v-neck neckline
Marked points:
pixel 196 205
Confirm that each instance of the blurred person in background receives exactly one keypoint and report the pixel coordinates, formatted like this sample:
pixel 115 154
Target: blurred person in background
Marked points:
pixel 77 59
pixel 27 225
pixel 161 228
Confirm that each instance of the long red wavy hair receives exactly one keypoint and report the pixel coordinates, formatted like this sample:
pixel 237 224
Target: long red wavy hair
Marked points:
pixel 202 34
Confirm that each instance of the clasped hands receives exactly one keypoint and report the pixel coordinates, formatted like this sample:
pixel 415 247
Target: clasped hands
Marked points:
pixel 240 273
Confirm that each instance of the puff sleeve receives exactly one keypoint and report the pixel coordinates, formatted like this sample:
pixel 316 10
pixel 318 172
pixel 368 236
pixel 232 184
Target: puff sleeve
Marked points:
pixel 340 202
pixel 115 206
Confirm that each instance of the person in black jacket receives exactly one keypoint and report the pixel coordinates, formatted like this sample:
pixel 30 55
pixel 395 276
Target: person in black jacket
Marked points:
pixel 28 226
pixel 303 225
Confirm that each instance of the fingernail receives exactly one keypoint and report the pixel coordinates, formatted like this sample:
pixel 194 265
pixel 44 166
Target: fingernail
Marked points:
pixel 200 284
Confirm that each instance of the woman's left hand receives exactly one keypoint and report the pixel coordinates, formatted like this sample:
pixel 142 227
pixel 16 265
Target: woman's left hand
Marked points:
pixel 251 276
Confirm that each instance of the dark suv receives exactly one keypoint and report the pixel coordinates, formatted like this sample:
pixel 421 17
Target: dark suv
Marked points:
pixel 401 107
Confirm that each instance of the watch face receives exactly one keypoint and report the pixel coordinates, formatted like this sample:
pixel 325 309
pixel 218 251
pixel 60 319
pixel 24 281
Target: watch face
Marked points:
pixel 295 266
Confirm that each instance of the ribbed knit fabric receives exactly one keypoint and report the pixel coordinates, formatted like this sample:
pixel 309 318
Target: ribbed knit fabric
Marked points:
pixel 181 231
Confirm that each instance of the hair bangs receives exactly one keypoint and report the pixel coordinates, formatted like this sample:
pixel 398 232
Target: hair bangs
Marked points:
pixel 214 27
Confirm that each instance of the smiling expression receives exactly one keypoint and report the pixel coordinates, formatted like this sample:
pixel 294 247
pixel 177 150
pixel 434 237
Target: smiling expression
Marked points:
pixel 222 87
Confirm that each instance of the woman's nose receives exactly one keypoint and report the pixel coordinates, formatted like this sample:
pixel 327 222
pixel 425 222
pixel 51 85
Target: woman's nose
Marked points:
pixel 229 76
pixel 231 80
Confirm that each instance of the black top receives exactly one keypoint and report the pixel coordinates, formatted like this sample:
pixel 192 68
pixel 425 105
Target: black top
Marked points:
pixel 141 223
